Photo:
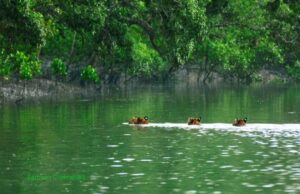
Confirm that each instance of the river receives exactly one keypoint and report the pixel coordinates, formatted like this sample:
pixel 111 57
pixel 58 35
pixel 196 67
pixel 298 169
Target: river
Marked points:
pixel 81 146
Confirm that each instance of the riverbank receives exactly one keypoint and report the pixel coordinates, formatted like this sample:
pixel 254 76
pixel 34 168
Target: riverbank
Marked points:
pixel 18 91
pixel 195 75
pixel 12 91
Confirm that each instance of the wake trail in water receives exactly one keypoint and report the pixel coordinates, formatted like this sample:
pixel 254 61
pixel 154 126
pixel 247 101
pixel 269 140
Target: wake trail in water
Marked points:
pixel 226 126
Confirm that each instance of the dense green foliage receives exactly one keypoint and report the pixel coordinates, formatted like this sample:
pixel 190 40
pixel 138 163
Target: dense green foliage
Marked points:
pixel 20 65
pixel 59 68
pixel 151 39
pixel 89 74
pixel 295 69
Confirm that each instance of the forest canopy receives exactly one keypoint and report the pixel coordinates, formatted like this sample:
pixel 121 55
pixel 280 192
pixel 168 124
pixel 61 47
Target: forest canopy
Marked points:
pixel 149 39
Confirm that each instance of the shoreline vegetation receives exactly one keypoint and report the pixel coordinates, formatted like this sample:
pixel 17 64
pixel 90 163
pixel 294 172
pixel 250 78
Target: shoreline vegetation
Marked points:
pixel 78 47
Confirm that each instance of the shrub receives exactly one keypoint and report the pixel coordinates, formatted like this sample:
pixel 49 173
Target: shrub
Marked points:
pixel 5 66
pixel 90 74
pixel 26 65
pixel 59 68
pixel 294 70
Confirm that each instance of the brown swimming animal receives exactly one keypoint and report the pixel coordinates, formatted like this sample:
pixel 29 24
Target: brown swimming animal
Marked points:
pixel 194 121
pixel 240 122
pixel 139 120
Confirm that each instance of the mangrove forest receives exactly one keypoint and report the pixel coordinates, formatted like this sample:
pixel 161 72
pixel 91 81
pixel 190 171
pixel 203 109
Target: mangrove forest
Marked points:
pixel 101 40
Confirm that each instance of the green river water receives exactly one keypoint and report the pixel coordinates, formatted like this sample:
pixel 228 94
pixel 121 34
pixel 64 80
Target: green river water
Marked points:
pixel 81 146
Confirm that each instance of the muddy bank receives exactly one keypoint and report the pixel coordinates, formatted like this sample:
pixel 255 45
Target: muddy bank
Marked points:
pixel 194 76
pixel 12 91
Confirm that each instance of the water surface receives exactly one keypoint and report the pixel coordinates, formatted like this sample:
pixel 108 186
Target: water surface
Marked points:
pixel 81 146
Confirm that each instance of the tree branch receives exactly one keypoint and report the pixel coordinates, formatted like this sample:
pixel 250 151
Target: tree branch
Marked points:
pixel 148 30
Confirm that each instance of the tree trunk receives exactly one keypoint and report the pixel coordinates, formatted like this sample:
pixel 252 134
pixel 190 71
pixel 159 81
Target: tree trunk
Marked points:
pixel 38 50
pixel 72 48
pixel 206 70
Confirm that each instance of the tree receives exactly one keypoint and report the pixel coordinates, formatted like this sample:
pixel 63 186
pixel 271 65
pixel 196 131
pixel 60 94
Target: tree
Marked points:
pixel 21 25
pixel 151 39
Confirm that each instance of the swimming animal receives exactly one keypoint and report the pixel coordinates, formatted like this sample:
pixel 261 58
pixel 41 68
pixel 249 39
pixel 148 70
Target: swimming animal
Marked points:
pixel 239 122
pixel 194 121
pixel 139 120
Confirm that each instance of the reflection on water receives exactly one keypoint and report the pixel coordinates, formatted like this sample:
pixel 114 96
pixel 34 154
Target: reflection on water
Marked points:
pixel 83 147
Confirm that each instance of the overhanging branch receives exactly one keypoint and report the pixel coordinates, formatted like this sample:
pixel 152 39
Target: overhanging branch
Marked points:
pixel 147 28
